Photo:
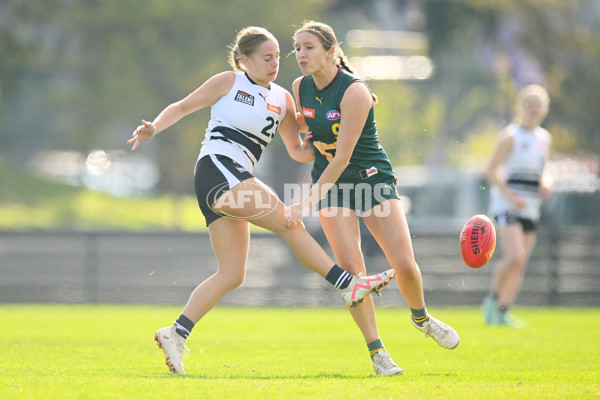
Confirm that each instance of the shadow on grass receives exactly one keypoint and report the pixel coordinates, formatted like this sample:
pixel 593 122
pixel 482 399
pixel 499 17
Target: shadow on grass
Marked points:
pixel 267 377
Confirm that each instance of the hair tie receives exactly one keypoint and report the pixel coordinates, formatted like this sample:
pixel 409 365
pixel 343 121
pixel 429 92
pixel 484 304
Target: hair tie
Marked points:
pixel 235 47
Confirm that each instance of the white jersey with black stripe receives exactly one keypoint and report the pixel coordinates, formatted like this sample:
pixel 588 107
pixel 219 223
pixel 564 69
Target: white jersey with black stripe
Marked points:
pixel 522 172
pixel 244 121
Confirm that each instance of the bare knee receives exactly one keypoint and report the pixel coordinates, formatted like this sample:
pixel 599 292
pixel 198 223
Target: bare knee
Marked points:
pixel 515 262
pixel 231 279
pixel 406 268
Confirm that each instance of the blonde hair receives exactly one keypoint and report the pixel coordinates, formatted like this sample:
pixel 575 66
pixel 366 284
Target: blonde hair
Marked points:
pixel 247 41
pixel 527 92
pixel 327 37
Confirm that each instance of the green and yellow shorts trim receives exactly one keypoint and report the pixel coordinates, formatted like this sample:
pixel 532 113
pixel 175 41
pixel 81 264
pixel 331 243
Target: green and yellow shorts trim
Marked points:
pixel 359 197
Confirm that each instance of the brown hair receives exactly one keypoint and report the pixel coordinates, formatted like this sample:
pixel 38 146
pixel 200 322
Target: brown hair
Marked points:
pixel 327 37
pixel 246 43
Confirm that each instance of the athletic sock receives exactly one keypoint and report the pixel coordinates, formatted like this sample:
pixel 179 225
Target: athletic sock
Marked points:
pixel 338 277
pixel 183 326
pixel 375 346
pixel 419 315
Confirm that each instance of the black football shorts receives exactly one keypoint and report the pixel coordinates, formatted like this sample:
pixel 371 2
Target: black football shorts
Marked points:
pixel 214 175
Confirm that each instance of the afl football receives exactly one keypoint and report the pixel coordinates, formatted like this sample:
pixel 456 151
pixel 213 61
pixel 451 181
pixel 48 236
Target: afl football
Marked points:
pixel 477 241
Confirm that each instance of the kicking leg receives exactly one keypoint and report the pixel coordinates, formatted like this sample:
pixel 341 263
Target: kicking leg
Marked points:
pixel 353 289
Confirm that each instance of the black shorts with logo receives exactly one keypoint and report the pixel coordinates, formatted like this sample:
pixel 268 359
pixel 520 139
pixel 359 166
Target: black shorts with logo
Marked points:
pixel 509 218
pixel 214 175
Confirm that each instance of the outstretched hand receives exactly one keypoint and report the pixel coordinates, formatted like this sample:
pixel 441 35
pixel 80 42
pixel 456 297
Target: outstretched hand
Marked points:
pixel 142 133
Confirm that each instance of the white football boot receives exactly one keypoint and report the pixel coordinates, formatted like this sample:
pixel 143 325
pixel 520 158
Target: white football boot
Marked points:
pixel 361 286
pixel 443 334
pixel 384 365
pixel 173 346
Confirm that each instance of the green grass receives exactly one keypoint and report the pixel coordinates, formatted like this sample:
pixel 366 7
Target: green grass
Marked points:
pixel 107 352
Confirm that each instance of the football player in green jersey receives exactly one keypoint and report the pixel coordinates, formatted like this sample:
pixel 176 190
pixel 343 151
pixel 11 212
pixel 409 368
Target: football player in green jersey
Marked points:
pixel 353 177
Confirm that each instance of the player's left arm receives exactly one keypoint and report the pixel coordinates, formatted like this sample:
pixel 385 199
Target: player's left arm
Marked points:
pixel 298 148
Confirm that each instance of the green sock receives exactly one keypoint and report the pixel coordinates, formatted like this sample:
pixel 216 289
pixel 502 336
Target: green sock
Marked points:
pixel 419 315
pixel 375 346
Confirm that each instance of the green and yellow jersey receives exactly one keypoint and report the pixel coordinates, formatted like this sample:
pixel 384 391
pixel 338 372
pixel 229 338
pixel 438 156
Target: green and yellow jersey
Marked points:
pixel 321 109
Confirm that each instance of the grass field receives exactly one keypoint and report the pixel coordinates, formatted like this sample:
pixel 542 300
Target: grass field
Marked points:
pixel 107 352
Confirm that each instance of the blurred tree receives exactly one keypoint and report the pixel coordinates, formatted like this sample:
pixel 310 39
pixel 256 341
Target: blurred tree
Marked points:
pixel 483 52
pixel 82 74
pixel 514 43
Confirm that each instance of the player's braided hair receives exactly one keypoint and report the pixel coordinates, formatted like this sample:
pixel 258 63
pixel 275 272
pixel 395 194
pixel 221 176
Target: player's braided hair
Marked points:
pixel 327 37
pixel 246 43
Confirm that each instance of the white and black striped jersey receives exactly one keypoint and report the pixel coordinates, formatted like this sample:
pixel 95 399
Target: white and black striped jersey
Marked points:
pixel 522 172
pixel 244 121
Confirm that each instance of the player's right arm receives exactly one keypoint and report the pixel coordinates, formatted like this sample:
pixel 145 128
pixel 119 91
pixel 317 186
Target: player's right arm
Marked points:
pixel 206 95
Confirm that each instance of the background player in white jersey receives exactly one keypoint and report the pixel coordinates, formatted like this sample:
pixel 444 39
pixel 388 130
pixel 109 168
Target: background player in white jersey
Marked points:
pixel 247 109
pixel 520 182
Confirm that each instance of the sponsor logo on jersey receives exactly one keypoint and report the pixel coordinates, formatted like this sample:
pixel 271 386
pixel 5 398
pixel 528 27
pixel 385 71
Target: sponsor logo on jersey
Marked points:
pixel 333 115
pixel 244 97
pixel 365 173
pixel 308 112
pixel 275 109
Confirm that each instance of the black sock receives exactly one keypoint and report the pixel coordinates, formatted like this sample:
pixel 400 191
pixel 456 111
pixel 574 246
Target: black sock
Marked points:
pixel 338 277
pixel 183 326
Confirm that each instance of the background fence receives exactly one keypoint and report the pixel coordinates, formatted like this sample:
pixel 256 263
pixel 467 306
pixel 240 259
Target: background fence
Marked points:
pixel 163 268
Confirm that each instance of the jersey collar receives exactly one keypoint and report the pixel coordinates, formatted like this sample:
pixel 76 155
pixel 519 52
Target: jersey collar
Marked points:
pixel 337 76
pixel 254 83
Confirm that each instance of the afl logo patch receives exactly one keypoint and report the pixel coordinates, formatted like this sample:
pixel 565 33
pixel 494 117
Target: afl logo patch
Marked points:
pixel 333 115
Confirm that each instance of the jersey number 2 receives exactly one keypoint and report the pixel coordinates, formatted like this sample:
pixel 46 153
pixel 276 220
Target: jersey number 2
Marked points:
pixel 272 123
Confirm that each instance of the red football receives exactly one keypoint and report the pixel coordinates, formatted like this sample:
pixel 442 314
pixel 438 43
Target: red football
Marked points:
pixel 477 241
